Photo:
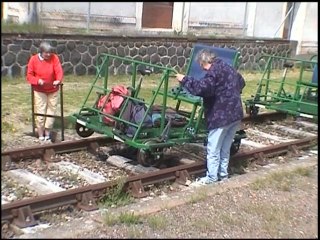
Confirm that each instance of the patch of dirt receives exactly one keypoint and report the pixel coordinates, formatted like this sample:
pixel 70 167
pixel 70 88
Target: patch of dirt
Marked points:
pixel 236 213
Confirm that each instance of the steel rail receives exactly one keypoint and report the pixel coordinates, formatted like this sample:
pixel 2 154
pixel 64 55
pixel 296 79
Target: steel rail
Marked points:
pixel 85 197
pixel 48 150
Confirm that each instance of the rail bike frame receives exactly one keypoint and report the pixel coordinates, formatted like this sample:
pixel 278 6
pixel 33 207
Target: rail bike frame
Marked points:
pixel 296 96
pixel 149 141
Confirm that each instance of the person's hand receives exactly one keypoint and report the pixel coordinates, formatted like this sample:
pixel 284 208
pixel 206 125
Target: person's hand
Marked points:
pixel 55 83
pixel 40 82
pixel 179 77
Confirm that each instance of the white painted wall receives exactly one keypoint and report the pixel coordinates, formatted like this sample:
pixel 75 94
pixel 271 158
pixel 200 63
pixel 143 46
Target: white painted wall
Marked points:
pixel 65 7
pixel 16 11
pixel 269 16
pixel 309 40
pixel 139 7
pixel 257 19
pixel 177 17
pixel 122 9
pixel 305 27
pixel 217 12
pixel 310 31
pixel 250 19
pixel 102 15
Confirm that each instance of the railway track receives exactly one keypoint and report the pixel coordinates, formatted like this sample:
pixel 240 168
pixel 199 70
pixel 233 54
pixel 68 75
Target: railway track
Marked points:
pixel 22 212
pixel 47 152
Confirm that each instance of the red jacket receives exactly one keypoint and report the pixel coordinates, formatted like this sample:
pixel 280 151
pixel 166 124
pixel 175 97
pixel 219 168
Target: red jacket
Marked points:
pixel 47 70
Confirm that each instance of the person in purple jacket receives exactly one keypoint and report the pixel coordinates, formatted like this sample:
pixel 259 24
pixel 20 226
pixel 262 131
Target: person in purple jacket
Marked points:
pixel 221 90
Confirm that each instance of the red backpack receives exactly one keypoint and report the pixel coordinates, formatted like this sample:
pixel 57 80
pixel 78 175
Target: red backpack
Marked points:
pixel 111 103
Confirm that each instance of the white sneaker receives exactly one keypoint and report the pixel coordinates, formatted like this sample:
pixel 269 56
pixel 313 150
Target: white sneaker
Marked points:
pixel 202 181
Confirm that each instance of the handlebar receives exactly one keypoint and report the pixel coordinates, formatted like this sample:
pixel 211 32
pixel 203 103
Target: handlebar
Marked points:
pixel 144 72
pixel 50 84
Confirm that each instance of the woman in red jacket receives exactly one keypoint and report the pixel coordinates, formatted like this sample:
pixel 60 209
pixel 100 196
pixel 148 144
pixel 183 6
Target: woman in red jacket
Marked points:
pixel 45 74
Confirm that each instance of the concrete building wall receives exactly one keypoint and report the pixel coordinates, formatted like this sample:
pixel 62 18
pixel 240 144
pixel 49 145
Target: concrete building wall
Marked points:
pixel 305 27
pixel 227 18
pixel 71 7
pixel 217 12
pixel 16 12
pixel 213 19
pixel 311 21
pixel 121 9
pixel 103 16
pixel 269 17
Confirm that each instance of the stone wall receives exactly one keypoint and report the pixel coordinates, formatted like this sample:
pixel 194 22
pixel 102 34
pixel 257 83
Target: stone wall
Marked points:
pixel 78 54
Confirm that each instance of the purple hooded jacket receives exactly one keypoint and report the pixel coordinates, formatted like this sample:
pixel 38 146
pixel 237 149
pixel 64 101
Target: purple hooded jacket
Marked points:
pixel 220 89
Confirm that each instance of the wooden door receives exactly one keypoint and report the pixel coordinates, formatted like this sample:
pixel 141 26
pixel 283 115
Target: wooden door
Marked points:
pixel 157 14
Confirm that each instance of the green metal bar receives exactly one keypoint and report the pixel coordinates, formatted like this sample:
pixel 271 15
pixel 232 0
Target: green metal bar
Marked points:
pixel 127 98
pixel 105 91
pixel 92 85
pixel 139 62
pixel 168 143
pixel 192 115
pixel 106 75
pixel 303 94
pixel 134 74
pixel 199 119
pixel 125 104
pixel 32 113
pixel 268 71
pixel 192 100
pixel 61 112
pixel 296 113
pixel 150 104
pixel 133 82
pixel 291 59
pixel 190 62
pixel 259 89
pixel 235 62
pixel 106 58
pixel 164 100
pixel 268 77
pixel 282 82
pixel 296 101
pixel 296 94
pixel 178 105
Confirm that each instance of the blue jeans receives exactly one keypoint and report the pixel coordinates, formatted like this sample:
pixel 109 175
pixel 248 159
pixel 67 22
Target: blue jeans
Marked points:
pixel 218 151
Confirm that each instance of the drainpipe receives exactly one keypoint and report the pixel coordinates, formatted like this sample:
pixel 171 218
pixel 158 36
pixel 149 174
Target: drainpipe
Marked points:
pixel 245 20
pixel 283 20
pixel 88 16
pixel 291 20
pixel 182 18
pixel 34 13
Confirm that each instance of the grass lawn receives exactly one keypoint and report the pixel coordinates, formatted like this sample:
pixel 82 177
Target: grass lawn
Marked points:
pixel 16 94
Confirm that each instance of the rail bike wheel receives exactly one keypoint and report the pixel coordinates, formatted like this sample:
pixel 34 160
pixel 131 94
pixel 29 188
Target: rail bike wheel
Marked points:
pixel 235 146
pixel 252 110
pixel 150 159
pixel 83 131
